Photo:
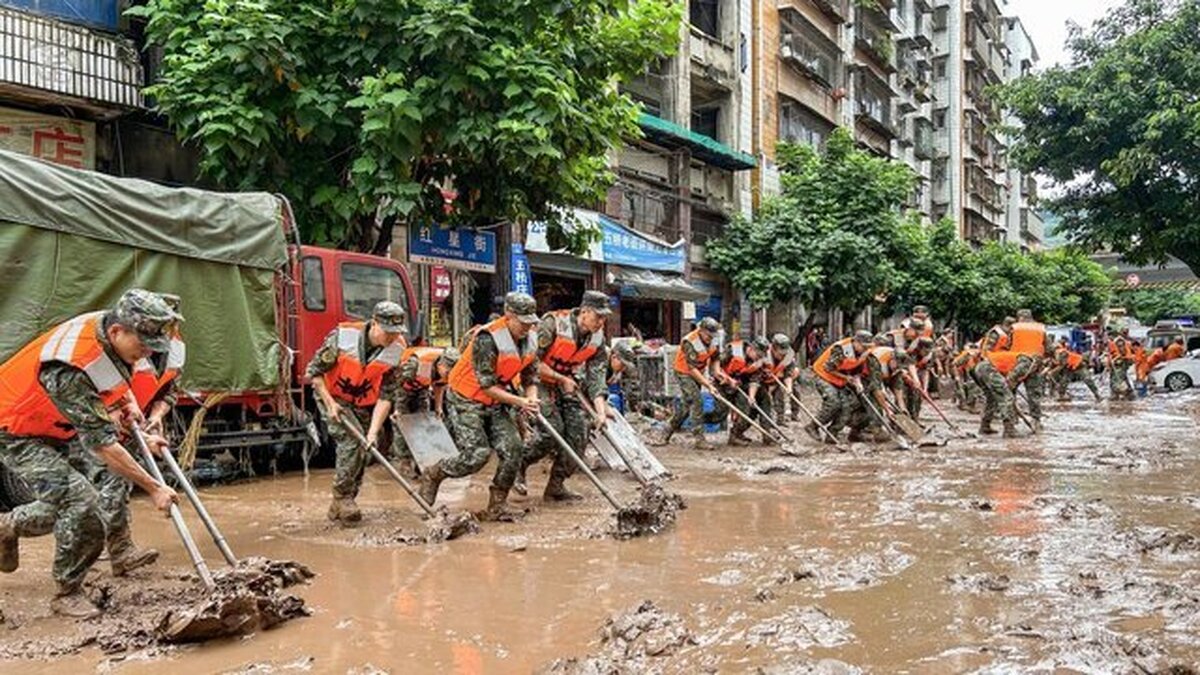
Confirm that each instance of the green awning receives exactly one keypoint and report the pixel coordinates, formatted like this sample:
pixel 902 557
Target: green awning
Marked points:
pixel 703 148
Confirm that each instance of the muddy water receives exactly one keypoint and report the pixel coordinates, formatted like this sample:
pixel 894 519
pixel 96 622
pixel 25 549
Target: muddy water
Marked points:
pixel 1079 549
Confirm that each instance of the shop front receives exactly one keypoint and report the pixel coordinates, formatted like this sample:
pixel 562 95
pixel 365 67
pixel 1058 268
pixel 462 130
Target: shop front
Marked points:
pixel 454 269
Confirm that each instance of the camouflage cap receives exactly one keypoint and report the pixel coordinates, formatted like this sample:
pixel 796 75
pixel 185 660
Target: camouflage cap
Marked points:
pixel 916 324
pixel 148 315
pixel 624 353
pixel 173 301
pixel 390 317
pixel 1024 314
pixel 710 325
pixel 883 339
pixel 864 336
pixel 762 344
pixel 597 302
pixel 920 309
pixel 450 356
pixel 1008 320
pixel 523 305
pixel 780 340
pixel 922 343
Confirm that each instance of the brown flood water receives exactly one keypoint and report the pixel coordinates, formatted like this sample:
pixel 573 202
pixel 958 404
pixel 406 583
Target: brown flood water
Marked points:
pixel 1076 550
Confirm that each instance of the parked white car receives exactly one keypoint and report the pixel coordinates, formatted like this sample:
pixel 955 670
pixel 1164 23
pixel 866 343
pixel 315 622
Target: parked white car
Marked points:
pixel 1179 374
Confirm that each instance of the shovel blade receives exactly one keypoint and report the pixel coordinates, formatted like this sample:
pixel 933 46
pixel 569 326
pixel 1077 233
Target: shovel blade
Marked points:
pixel 911 430
pixel 648 465
pixel 427 438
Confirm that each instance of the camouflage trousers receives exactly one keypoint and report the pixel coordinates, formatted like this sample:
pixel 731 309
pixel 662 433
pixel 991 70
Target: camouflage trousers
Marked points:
pixel 112 492
pixel 912 395
pixel 66 504
pixel 1118 381
pixel 783 404
pixel 1027 374
pixel 738 425
pixel 693 406
pixel 967 390
pixel 478 430
pixel 350 460
pixel 998 398
pixel 566 414
pixel 1065 377
pixel 837 403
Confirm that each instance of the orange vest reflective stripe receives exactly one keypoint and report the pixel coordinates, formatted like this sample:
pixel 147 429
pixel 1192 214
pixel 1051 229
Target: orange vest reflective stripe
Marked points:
pixel 426 360
pixel 968 360
pixel 1029 338
pixel 146 383
pixel 564 356
pixel 849 364
pixel 509 362
pixel 26 408
pixel 885 356
pixel 1116 352
pixel 738 365
pixel 355 382
pixel 1004 361
pixel 704 352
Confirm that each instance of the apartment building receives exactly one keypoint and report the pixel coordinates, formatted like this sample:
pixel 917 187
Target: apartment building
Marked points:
pixel 1025 227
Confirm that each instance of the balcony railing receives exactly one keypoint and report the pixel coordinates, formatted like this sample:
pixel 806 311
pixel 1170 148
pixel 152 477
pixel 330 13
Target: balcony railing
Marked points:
pixel 41 54
pixel 876 42
pixel 838 10
pixel 873 104
pixel 815 62
pixel 923 139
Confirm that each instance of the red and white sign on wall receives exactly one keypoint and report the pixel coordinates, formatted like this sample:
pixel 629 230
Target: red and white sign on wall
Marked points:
pixel 439 283
pixel 55 139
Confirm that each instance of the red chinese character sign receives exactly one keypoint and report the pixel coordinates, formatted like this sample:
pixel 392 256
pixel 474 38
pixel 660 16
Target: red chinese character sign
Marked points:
pixel 439 283
pixel 54 139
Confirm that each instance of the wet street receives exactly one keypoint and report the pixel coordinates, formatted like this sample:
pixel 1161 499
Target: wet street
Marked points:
pixel 1078 550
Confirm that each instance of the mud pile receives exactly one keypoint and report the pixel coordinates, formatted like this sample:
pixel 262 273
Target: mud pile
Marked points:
pixel 638 641
pixel 443 528
pixel 654 512
pixel 246 600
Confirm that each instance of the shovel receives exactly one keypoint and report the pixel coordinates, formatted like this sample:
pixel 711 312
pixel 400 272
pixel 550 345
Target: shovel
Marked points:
pixel 764 416
pixel 734 409
pixel 823 427
pixel 883 420
pixel 194 498
pixel 181 527
pixel 953 427
pixel 613 441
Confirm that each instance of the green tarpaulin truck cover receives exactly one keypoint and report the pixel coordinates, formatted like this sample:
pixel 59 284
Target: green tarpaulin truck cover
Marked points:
pixel 72 241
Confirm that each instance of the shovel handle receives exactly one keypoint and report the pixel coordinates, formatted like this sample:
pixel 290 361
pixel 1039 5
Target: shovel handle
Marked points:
pixel 185 535
pixel 757 427
pixel 194 498
pixel 886 424
pixel 387 466
pixel 929 399
pixel 566 447
pixel 800 404
pixel 766 418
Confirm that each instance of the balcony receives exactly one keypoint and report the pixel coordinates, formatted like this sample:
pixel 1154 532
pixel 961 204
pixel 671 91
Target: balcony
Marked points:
pixel 923 138
pixel 713 60
pixel 803 47
pixel 873 104
pixel 838 10
pixel 43 60
pixel 876 42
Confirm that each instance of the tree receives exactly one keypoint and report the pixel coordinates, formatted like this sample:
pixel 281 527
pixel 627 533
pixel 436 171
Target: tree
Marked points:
pixel 1119 128
pixel 364 112
pixel 1151 305
pixel 829 239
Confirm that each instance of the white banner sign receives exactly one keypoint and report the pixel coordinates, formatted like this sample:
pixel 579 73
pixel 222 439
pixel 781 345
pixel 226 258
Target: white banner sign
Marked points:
pixel 54 139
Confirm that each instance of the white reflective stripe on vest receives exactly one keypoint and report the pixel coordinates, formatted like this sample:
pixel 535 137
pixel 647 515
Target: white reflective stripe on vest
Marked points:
pixel 504 341
pixel 176 355
pixel 103 373
pixel 68 339
pixel 390 354
pixel 347 338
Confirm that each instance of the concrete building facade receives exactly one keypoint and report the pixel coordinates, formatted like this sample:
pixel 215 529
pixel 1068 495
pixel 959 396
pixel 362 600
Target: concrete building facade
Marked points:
pixel 1025 227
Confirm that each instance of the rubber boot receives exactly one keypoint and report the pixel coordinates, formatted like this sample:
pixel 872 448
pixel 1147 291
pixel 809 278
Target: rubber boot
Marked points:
pixel 344 510
pixel 855 436
pixel 1037 426
pixel 74 604
pixel 556 491
pixel 738 438
pixel 813 432
pixel 702 442
pixel 985 428
pixel 1010 429
pixel 662 438
pixel 519 485
pixel 125 556
pixel 431 480
pixel 497 508
pixel 10 554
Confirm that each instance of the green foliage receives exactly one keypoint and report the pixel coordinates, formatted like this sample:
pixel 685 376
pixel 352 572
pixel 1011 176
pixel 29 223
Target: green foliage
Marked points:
pixel 829 239
pixel 362 111
pixel 1120 129
pixel 1151 305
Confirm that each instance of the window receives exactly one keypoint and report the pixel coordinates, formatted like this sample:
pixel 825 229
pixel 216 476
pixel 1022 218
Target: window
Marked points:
pixel 807 48
pixel 939 69
pixel 312 276
pixel 363 286
pixel 939 119
pixel 941 16
pixel 705 16
pixel 705 122
pixel 798 124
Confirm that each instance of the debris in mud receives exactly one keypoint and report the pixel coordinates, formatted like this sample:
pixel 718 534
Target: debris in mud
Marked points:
pixel 246 600
pixel 443 528
pixel 996 583
pixel 822 667
pixel 832 570
pixel 630 643
pixel 1166 541
pixel 792 576
pixel 981 505
pixel 800 628
pixel 654 512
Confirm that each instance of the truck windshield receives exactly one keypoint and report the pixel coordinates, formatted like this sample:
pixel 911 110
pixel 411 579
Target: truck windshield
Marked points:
pixel 365 285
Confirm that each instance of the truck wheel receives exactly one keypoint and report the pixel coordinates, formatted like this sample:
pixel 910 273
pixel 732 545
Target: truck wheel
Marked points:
pixel 1177 382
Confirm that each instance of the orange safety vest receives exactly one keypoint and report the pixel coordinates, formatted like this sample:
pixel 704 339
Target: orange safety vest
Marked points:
pixel 927 331
pixel 738 365
pixel 849 364
pixel 25 407
pixel 426 360
pixel 146 384
pixel 885 356
pixel 778 369
pixel 1002 342
pixel 1146 365
pixel 564 356
pixel 1115 352
pixel 355 382
pixel 703 352
pixel 509 362
pixel 967 360
pixel 1173 351
pixel 1029 338
pixel 1074 359
pixel 1004 361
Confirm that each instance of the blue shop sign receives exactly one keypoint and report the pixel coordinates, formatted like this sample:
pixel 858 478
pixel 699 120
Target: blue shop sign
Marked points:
pixel 460 248
pixel 522 278
pixel 711 306
pixel 623 246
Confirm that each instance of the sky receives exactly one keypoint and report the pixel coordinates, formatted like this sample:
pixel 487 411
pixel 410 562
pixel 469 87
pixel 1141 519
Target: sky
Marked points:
pixel 1046 21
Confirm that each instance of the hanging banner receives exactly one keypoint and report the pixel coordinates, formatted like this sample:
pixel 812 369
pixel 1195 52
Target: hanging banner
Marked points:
pixel 522 278
pixel 618 244
pixel 53 139
pixel 439 284
pixel 458 248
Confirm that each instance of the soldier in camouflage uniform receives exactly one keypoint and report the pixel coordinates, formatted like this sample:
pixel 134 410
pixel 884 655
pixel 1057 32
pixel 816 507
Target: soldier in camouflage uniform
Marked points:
pixel 1028 371
pixel 73 382
pixel 881 374
pixel 998 398
pixel 920 356
pixel 499 357
pixel 837 370
pixel 355 379
pixel 1120 360
pixel 1069 367
pixel 572 356
pixel 744 364
pixel 781 374
pixel 694 363
pixel 963 369
pixel 419 391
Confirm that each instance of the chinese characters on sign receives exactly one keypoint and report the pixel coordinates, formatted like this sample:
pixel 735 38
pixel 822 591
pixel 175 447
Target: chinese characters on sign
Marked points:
pixel 440 284
pixel 522 279
pixel 457 248
pixel 54 139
